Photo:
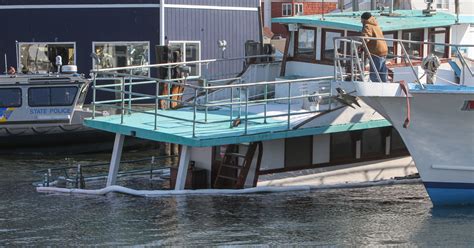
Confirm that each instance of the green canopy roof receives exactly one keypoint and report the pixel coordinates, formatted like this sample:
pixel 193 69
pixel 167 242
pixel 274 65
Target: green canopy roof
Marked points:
pixel 404 19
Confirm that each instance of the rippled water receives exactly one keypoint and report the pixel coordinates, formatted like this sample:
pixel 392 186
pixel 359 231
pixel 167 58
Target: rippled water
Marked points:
pixel 389 215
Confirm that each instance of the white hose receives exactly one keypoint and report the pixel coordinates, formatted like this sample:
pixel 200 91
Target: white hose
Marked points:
pixel 262 189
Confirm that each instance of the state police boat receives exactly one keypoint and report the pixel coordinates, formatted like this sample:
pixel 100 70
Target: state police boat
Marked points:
pixel 434 120
pixel 37 110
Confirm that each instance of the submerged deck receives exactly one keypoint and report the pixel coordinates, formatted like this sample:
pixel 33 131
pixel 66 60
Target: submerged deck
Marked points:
pixel 171 130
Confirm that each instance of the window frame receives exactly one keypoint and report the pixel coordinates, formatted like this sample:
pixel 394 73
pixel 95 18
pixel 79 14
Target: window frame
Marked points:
pixel 323 42
pixel 184 42
pixel 297 7
pixel 446 33
pixel 304 57
pixel 443 3
pixel 94 43
pixel 51 87
pixel 422 31
pixel 285 9
pixel 21 97
pixel 19 44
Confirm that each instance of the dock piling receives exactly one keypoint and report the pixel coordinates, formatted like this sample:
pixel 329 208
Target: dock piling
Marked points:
pixel 115 160
pixel 182 168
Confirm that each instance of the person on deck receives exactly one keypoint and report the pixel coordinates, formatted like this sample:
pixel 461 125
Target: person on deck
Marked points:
pixel 377 48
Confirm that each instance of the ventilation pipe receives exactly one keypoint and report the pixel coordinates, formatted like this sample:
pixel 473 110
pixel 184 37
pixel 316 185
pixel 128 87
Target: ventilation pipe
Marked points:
pixel 267 13
pixel 456 10
pixel 340 4
pixel 373 4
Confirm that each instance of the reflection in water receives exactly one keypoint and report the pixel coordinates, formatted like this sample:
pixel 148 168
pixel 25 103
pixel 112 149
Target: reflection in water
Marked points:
pixel 389 215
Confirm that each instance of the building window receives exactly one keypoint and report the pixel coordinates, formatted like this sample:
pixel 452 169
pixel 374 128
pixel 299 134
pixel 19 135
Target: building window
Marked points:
pixel 184 51
pixel 299 9
pixel 438 35
pixel 413 49
pixel 327 48
pixel 298 152
pixel 37 57
pixel 306 44
pixel 442 4
pixel 10 97
pixel 286 9
pixel 121 54
pixel 51 96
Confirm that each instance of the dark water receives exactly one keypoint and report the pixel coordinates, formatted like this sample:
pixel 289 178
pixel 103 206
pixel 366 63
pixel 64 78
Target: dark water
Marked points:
pixel 377 216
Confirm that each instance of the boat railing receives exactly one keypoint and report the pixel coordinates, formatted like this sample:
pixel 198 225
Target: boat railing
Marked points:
pixel 194 94
pixel 352 52
pixel 77 175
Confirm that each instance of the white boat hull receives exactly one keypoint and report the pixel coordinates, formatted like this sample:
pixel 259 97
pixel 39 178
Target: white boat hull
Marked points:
pixel 440 135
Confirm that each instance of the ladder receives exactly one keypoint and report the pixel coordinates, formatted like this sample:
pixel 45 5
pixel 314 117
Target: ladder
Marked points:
pixel 234 167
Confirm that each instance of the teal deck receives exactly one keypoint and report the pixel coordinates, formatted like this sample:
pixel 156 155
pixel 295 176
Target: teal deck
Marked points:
pixel 407 19
pixel 141 125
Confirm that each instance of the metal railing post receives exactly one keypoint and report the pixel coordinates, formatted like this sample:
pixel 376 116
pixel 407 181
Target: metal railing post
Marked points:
pixel 246 108
pixel 122 94
pixel 207 100
pixel 289 105
pixel 157 92
pixel 130 93
pixel 265 105
pixel 231 105
pixel 94 83
pixel 194 112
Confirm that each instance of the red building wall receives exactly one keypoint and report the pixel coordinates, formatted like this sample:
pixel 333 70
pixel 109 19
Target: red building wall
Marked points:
pixel 309 8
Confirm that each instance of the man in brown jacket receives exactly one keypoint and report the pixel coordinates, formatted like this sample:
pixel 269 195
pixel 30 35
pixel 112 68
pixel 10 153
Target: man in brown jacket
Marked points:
pixel 377 48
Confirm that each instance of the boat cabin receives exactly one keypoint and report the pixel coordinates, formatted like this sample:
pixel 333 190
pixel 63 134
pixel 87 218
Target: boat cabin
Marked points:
pixel 311 43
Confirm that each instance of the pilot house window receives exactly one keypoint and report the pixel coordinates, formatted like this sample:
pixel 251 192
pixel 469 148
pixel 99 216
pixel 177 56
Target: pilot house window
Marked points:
pixel 328 36
pixel 51 96
pixel 413 49
pixel 41 57
pixel 306 43
pixel 10 98
pixel 438 35
pixel 120 54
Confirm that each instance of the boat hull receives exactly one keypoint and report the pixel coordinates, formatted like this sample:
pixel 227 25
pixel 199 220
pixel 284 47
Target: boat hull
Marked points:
pixel 440 135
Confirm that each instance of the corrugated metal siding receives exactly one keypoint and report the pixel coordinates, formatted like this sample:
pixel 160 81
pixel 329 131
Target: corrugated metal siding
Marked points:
pixel 36 2
pixel 209 26
pixel 230 3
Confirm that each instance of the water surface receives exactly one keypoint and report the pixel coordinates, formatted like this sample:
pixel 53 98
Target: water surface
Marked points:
pixel 388 215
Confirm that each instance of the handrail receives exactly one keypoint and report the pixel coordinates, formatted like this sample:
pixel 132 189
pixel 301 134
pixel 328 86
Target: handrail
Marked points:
pixel 362 41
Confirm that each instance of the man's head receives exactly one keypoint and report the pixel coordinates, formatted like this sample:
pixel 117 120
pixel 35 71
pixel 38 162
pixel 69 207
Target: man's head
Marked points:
pixel 365 16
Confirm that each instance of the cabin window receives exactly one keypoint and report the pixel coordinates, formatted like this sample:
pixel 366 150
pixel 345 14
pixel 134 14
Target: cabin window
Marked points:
pixel 187 51
pixel 396 143
pixel 342 147
pixel 392 50
pixel 51 96
pixel 299 9
pixel 286 9
pixel 10 97
pixel 327 47
pixel 38 57
pixel 298 152
pixel 121 54
pixel 442 4
pixel 373 143
pixel 306 43
pixel 438 35
pixel 413 49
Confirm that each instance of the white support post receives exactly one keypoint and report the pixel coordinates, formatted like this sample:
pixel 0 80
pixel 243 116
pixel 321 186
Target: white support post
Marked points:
pixel 162 23
pixel 387 145
pixel 183 168
pixel 358 149
pixel 115 160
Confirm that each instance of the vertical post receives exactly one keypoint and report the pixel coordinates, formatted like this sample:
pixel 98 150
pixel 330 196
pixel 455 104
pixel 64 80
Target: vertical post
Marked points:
pixel 182 168
pixel 246 108
pixel 289 105
pixel 194 112
pixel 157 92
pixel 115 160
pixel 162 23
pixel 122 99
pixel 130 92
pixel 207 100
pixel 94 84
pixel 265 106
pixel 231 105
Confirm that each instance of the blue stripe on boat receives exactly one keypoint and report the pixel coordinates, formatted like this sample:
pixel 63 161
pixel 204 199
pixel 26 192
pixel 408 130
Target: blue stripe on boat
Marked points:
pixel 443 194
